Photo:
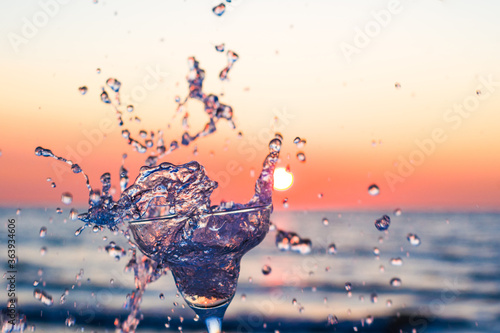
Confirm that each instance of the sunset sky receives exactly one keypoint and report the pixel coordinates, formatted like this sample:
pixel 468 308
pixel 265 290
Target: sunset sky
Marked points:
pixel 402 94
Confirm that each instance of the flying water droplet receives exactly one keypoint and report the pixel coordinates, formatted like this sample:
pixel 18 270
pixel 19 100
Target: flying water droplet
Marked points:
pixel 300 143
pixel 43 297
pixel 73 214
pixel 413 239
pixel 219 9
pixel 374 297
pixel 83 90
pixel 376 251
pixel 114 84
pixel 396 261
pixel 266 269
pixel 301 157
pixel 43 232
pixel 373 190
pixel 70 321
pixel 332 249
pixel 383 223
pixel 130 108
pixel 332 320
pixel 395 282
pixel 220 47
pixel 79 231
pixel 105 97
pixel 115 251
pixel 325 221
pixel 285 203
pixel 397 212
pixel 59 210
pixel 66 198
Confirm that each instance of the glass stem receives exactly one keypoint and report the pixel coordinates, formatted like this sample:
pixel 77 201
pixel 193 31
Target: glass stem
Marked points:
pixel 214 324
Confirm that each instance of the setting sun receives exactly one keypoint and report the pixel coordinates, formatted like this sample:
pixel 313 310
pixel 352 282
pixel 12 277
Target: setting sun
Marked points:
pixel 282 179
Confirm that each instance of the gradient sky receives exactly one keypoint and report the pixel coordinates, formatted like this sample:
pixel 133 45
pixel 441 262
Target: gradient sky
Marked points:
pixel 292 61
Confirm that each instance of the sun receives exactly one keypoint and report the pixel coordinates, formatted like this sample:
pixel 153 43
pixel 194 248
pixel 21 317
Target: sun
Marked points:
pixel 282 179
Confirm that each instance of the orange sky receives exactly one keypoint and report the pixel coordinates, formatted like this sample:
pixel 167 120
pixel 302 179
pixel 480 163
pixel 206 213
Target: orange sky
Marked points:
pixel 291 62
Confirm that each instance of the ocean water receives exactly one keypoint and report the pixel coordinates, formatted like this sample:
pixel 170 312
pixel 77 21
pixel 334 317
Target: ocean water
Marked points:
pixel 450 283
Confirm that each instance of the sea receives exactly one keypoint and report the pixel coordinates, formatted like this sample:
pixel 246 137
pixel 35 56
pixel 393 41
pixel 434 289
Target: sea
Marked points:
pixel 369 281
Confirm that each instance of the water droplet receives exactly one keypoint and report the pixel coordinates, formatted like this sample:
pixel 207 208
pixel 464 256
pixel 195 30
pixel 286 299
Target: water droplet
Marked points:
pixel 76 168
pixel 374 298
pixel 397 212
pixel 383 223
pixel 300 143
pixel 396 282
pixel 396 261
pixel 70 321
pixel 98 70
pixel 285 203
pixel 115 251
pixel 266 269
pixel 332 319
pixel 325 221
pixel 369 320
pixel 376 251
pixel 73 214
pixel 83 90
pixel 43 297
pixel 66 198
pixel 59 210
pixel 301 157
pixel 53 185
pixel 413 239
pixel 332 249
pixel 219 9
pixel 388 303
pixel 397 85
pixel 275 146
pixel 220 47
pixel 162 297
pixel 130 108
pixel 373 190
pixel 105 97
pixel 43 251
pixel 43 232
pixel 114 84
pixel 348 286
pixel 79 231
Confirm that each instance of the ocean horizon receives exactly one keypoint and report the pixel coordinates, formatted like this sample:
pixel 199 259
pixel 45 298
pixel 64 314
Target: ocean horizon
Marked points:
pixel 449 283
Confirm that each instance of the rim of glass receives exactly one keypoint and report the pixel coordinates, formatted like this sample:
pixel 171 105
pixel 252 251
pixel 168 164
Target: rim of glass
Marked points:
pixel 225 212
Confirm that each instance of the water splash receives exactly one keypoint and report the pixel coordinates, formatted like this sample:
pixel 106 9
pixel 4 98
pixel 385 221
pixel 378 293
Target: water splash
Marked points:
pixel 201 244
pixel 232 57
